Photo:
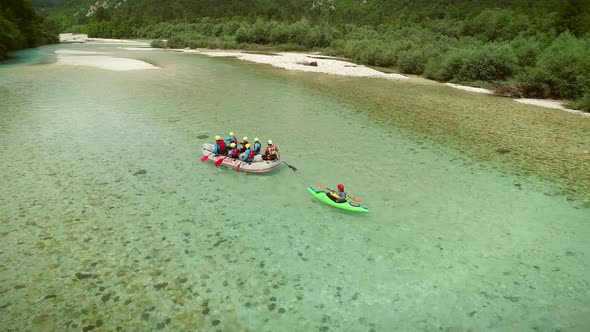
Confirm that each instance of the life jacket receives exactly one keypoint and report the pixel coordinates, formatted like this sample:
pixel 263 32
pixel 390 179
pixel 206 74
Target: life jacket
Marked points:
pixel 271 150
pixel 251 154
pixel 235 152
pixel 221 145
pixel 335 196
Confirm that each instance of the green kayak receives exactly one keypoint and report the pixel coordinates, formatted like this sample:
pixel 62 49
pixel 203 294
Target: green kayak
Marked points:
pixel 323 197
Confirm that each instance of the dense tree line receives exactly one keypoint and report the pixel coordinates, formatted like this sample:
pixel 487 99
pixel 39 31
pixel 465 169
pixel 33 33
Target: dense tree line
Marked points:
pixel 518 47
pixel 21 27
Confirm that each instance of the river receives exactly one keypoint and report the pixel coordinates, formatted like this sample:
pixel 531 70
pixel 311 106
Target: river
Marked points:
pixel 109 221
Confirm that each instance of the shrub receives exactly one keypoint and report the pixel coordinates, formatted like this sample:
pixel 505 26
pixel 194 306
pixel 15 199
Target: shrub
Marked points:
pixel 158 43
pixel 259 32
pixel 298 32
pixel 488 64
pixel 565 67
pixel 176 41
pixel 385 58
pixel 412 61
pixel 533 84
pixel 450 66
pixel 279 34
pixel 526 50
pixel 242 34
pixel 582 103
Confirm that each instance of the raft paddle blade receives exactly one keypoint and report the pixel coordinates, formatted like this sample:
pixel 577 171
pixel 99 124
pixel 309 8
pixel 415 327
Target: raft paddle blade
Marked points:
pixel 291 166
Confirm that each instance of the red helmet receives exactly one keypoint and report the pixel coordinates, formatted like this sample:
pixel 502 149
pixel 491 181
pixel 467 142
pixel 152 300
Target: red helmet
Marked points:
pixel 341 187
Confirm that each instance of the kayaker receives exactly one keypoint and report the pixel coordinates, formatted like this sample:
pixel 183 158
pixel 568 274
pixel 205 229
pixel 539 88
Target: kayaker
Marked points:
pixel 231 138
pixel 257 146
pixel 340 195
pixel 249 154
pixel 234 152
pixel 220 147
pixel 244 142
pixel 271 152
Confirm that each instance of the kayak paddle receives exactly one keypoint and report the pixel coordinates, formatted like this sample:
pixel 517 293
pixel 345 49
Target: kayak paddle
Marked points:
pixel 291 167
pixel 321 186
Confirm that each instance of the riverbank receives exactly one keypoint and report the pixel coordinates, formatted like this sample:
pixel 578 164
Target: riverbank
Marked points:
pixel 317 63
pixel 305 62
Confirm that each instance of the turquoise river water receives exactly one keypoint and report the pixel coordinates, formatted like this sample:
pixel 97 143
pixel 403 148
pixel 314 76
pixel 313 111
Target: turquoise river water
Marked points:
pixel 109 221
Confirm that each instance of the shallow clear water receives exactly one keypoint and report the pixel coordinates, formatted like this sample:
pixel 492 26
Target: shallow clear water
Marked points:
pixel 108 219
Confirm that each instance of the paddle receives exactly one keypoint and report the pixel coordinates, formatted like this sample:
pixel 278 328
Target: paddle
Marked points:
pixel 219 161
pixel 204 158
pixel 238 168
pixel 291 167
pixel 321 186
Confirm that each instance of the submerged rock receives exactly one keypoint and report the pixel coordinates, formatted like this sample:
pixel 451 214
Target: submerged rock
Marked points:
pixel 81 276
pixel 140 172
pixel 502 150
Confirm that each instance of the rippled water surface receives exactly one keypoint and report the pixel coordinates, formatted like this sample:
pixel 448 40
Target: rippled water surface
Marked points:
pixel 108 220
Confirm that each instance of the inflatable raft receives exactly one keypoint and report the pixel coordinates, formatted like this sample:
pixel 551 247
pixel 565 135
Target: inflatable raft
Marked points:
pixel 323 197
pixel 257 166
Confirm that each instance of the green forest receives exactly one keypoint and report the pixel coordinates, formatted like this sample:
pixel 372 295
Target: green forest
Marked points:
pixel 21 27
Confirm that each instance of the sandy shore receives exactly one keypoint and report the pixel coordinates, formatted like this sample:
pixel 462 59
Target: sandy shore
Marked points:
pixel 83 38
pixel 99 60
pixel 304 62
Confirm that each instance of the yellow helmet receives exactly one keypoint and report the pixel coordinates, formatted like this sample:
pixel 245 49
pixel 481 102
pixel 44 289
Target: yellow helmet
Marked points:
pixel 217 138
pixel 245 139
pixel 233 145
pixel 231 134
pixel 255 139
pixel 247 146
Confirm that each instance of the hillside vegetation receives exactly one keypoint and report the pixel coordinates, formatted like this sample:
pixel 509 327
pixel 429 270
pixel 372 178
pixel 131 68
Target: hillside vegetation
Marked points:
pixel 520 48
pixel 21 27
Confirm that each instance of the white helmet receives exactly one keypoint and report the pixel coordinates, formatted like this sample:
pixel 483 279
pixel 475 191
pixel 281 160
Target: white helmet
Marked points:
pixel 269 142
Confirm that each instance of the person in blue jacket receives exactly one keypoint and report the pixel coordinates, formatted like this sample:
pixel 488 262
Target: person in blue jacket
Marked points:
pixel 248 154
pixel 231 139
pixel 257 146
